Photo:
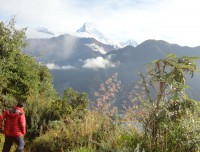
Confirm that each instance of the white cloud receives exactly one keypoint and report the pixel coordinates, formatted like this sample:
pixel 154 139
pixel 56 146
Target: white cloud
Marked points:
pixel 53 66
pixel 64 49
pixel 176 21
pixel 45 30
pixel 98 63
pixel 97 48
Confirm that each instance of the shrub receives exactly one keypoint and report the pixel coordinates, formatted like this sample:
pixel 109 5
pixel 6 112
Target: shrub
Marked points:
pixel 84 149
pixel 46 143
pixel 166 110
pixel 129 137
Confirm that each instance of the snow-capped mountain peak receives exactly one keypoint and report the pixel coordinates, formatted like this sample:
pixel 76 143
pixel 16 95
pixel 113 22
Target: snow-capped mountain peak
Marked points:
pixel 91 29
pixel 129 43
pixel 87 27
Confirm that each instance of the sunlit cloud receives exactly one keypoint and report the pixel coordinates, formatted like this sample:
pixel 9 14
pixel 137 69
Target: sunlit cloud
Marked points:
pixel 53 66
pixel 98 63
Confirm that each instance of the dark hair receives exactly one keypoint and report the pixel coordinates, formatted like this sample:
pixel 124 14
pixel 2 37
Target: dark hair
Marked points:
pixel 20 104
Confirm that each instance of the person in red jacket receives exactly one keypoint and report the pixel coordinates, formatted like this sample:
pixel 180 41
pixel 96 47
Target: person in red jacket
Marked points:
pixel 13 125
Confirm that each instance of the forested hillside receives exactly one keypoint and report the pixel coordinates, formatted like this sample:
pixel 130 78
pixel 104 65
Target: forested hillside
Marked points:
pixel 85 63
pixel 161 117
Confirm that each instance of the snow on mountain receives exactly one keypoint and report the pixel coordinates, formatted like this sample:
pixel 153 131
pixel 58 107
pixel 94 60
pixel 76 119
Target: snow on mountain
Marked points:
pixel 129 43
pixel 89 30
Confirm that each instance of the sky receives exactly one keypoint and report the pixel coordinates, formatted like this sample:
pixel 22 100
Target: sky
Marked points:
pixel 175 21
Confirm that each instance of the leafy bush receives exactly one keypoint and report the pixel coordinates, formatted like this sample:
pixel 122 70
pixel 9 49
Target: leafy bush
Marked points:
pixel 84 149
pixel 94 132
pixel 128 138
pixel 46 143
pixel 164 106
pixel 70 135
pixel 37 116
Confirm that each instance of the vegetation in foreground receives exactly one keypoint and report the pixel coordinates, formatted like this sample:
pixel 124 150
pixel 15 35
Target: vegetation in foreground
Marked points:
pixel 161 118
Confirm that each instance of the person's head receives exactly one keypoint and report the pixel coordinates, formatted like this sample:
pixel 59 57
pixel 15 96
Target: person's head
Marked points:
pixel 20 104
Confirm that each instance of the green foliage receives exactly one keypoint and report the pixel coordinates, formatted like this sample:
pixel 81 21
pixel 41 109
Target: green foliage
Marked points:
pixel 20 74
pixel 42 112
pixel 46 143
pixel 76 102
pixel 23 78
pixel 71 135
pixel 128 138
pixel 46 87
pixel 12 60
pixel 36 116
pixel 84 149
pixel 165 105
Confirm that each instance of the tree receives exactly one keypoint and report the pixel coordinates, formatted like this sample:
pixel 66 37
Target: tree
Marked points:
pixel 78 103
pixel 17 69
pixel 164 104
pixel 20 74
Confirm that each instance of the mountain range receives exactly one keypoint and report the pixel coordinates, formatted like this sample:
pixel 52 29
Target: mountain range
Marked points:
pixel 86 59
pixel 89 30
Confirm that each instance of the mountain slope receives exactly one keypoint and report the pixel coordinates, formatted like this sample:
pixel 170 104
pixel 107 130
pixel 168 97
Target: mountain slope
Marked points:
pixel 65 49
pixel 132 60
pixel 128 62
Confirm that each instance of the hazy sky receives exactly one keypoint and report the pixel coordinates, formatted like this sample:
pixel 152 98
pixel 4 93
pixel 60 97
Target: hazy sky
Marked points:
pixel 175 21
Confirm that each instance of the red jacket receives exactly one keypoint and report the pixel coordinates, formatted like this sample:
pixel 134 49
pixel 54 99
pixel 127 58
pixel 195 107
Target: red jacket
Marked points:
pixel 13 122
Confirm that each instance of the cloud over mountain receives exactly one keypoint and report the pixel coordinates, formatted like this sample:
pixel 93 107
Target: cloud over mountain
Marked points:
pixel 97 48
pixel 98 63
pixel 53 66
pixel 45 30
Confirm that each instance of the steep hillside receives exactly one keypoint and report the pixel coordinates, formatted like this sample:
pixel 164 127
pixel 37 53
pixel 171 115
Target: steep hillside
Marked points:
pixel 127 62
pixel 65 49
